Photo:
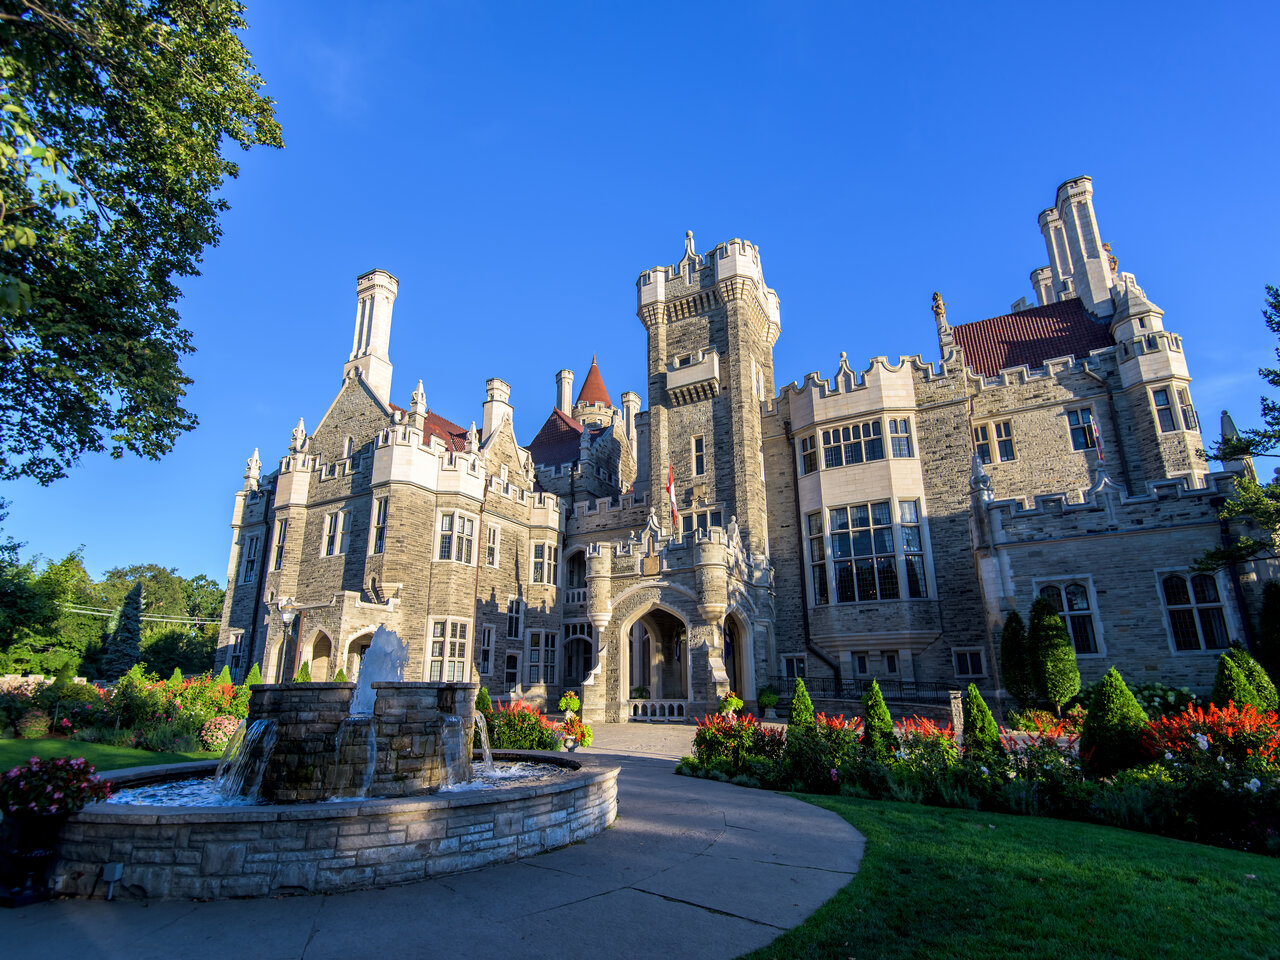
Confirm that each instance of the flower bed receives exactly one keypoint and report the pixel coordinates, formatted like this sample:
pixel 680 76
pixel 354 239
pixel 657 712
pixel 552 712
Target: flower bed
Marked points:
pixel 1213 774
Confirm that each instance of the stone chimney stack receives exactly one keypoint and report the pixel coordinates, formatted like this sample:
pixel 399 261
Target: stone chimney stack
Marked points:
pixel 497 406
pixel 370 360
pixel 630 410
pixel 564 392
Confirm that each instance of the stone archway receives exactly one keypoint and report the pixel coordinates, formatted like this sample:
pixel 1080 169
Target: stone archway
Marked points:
pixel 321 656
pixel 356 650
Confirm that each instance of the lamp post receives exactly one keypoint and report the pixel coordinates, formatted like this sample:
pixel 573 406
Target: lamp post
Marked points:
pixel 288 611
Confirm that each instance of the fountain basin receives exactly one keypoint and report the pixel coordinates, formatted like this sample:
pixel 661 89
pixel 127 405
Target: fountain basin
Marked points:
pixel 248 851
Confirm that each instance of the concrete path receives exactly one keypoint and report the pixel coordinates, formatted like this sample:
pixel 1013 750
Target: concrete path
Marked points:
pixel 690 869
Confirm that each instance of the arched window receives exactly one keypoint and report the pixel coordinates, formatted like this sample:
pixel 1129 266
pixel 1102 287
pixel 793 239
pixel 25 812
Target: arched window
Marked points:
pixel 1071 600
pixel 1195 612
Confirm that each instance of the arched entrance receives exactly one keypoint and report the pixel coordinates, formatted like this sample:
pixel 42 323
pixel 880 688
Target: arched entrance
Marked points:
pixel 658 661
pixel 734 655
pixel 579 652
pixel 320 656
pixel 356 650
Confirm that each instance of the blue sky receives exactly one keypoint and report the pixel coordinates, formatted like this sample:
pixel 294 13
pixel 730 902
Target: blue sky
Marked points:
pixel 517 165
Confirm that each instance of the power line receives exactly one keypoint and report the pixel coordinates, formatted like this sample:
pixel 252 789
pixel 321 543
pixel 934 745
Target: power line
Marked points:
pixel 101 612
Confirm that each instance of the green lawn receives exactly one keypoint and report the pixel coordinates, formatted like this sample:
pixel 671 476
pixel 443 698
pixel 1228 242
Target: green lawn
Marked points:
pixel 16 752
pixel 957 884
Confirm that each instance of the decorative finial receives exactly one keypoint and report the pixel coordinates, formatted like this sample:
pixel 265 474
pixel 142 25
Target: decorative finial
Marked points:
pixel 1111 257
pixel 418 402
pixel 689 252
pixel 473 439
pixel 253 468
pixel 979 482
pixel 299 437
pixel 939 310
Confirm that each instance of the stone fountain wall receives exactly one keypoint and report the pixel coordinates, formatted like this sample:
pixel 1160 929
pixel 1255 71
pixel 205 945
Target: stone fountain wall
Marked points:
pixel 417 740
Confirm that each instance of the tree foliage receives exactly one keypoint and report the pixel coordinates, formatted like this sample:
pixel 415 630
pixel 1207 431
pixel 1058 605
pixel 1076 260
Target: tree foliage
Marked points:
pixel 1051 655
pixel 113 119
pixel 1256 677
pixel 1111 739
pixel 1231 685
pixel 877 731
pixel 801 714
pixel 124 644
pixel 981 735
pixel 1015 667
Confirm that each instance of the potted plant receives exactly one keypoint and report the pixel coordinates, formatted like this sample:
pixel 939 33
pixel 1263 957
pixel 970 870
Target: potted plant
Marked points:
pixel 730 704
pixel 36 800
pixel 768 699
pixel 575 731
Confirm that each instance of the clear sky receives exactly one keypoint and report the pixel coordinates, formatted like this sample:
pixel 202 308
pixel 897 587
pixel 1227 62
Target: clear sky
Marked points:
pixel 517 165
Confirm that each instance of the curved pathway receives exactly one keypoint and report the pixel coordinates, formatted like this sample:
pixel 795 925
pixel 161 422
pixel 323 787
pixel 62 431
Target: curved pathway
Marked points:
pixel 691 868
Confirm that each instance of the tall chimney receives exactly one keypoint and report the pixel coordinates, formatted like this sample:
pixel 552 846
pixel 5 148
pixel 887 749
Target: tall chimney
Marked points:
pixel 564 392
pixel 375 296
pixel 497 406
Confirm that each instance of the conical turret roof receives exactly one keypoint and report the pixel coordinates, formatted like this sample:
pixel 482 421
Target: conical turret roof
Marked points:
pixel 593 388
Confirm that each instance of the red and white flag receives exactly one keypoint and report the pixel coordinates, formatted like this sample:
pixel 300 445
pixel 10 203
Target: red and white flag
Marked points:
pixel 1097 441
pixel 671 497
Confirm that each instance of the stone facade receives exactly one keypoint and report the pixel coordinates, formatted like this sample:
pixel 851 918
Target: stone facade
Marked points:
pixel 882 522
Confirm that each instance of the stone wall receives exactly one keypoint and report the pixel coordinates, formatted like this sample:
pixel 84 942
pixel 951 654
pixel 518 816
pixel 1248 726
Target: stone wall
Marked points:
pixel 221 852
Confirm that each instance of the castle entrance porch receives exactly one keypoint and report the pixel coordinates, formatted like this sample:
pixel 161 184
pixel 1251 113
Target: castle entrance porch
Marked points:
pixel 658 660
pixel 356 650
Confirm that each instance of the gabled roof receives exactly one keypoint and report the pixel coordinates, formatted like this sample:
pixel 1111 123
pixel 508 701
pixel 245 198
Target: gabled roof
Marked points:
pixel 1030 337
pixel 558 441
pixel 593 389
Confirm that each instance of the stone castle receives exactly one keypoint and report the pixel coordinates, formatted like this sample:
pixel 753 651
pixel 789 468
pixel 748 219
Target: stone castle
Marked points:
pixel 878 523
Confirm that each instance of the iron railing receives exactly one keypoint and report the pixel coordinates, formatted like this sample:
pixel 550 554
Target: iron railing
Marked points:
pixel 855 688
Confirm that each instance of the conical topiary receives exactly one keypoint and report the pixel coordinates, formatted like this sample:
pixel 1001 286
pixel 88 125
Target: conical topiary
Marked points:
pixel 1232 686
pixel 1015 670
pixel 1111 739
pixel 981 735
pixel 1051 655
pixel 255 675
pixel 1267 643
pixel 1257 677
pixel 877 732
pixel 125 641
pixel 340 676
pixel 175 679
pixel 801 707
pixel 484 704
pixel 224 678
pixel 304 673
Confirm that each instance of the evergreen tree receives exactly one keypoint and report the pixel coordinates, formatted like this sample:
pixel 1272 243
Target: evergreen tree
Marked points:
pixel 801 707
pixel 1111 739
pixel 341 677
pixel 877 731
pixel 255 676
pixel 981 735
pixel 304 673
pixel 175 679
pixel 1257 677
pixel 224 678
pixel 124 644
pixel 1051 655
pixel 1268 639
pixel 483 702
pixel 1232 686
pixel 1015 670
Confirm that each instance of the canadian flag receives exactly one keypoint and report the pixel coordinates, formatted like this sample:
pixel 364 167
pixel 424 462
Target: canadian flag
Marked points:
pixel 1097 440
pixel 671 497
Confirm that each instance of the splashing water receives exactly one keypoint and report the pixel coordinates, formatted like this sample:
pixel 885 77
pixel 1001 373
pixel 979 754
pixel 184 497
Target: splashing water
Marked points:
pixel 384 661
pixel 482 727
pixel 245 759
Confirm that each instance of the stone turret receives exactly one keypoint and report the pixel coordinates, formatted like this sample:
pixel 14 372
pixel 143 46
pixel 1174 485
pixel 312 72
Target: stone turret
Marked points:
pixel 1078 264
pixel 370 360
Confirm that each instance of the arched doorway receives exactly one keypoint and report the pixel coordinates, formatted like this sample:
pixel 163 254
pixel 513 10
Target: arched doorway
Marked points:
pixel 579 652
pixel 734 655
pixel 659 657
pixel 576 577
pixel 356 650
pixel 320 657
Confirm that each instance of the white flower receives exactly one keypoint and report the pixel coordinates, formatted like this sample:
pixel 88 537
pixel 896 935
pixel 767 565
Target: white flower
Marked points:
pixel 1168 755
pixel 1225 785
pixel 1202 741
pixel 984 770
pixel 1172 698
pixel 1222 759
pixel 1012 774
pixel 1253 785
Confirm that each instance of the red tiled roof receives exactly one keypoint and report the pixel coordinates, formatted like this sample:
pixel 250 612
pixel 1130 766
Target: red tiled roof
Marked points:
pixel 558 441
pixel 1030 337
pixel 454 436
pixel 593 390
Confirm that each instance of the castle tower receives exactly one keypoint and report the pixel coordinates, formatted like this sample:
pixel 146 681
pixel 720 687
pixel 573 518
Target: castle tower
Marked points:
pixel 593 404
pixel 712 323
pixel 370 360
pixel 1078 264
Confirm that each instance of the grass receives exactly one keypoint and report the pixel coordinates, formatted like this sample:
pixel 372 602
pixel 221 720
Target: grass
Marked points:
pixel 14 753
pixel 948 883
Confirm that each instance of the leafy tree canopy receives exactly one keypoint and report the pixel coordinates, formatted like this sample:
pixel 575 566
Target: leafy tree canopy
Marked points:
pixel 113 118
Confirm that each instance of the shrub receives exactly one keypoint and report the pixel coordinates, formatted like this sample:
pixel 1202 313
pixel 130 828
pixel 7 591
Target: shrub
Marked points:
pixel 767 697
pixel 1191 742
pixel 483 702
pixel 255 676
pixel 1111 739
pixel 981 735
pixel 721 737
pixel 224 678
pixel 341 677
pixel 1256 676
pixel 304 673
pixel 801 714
pixel 1158 700
pixel 1051 655
pixel 33 724
pixel 520 726
pixel 60 785
pixel 167 738
pixel 1015 668
pixel 877 733
pixel 1232 686
pixel 215 734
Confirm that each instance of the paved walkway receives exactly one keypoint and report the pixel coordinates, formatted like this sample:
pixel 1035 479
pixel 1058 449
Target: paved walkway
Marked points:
pixel 690 869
